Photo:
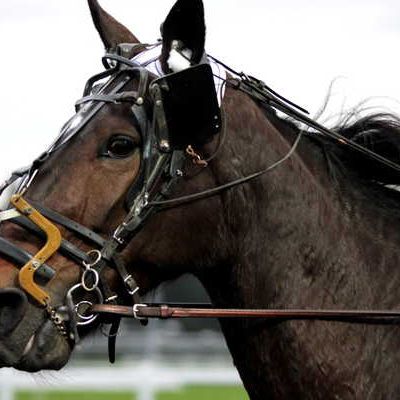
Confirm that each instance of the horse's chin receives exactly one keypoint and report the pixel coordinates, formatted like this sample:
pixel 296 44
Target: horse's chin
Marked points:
pixel 46 350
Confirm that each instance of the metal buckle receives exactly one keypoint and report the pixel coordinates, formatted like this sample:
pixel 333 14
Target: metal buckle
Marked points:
pixel 117 238
pixel 135 310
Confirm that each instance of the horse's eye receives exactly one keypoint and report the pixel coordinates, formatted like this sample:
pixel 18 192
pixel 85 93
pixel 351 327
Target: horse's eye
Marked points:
pixel 120 146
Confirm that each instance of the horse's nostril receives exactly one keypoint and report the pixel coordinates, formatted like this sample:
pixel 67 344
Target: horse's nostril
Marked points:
pixel 13 304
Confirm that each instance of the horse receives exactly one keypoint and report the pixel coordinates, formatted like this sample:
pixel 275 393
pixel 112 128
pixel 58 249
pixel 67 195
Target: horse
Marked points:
pixel 317 230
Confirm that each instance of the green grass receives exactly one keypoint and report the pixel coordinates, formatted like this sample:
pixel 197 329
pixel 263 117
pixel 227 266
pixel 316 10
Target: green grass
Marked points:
pixel 186 393
pixel 206 393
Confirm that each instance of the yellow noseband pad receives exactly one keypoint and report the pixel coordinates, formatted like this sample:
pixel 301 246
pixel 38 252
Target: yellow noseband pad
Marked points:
pixel 53 242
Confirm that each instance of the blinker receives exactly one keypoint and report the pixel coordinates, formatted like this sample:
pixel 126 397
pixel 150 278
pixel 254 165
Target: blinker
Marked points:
pixel 186 109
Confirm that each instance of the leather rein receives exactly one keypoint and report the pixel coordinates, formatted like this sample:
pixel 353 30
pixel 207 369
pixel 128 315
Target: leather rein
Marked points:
pixel 162 169
pixel 179 311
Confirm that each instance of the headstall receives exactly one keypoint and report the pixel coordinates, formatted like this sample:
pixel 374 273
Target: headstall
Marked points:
pixel 175 100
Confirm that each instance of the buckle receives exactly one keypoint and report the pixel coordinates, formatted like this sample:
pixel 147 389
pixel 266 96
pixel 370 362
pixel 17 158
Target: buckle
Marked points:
pixel 118 239
pixel 135 310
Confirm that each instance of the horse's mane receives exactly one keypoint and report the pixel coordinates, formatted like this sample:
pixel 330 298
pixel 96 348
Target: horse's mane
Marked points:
pixel 378 132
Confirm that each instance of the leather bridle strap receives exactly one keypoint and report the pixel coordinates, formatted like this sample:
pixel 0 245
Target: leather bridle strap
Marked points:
pixel 67 248
pixel 21 257
pixel 140 311
pixel 71 225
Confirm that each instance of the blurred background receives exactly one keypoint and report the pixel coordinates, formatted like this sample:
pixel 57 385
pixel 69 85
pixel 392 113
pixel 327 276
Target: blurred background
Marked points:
pixel 302 49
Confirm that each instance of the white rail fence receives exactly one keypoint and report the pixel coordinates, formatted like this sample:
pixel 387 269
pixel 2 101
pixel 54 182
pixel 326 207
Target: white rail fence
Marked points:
pixel 144 379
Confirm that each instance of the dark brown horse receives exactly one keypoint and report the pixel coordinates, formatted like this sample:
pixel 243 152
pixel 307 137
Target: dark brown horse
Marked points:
pixel 318 231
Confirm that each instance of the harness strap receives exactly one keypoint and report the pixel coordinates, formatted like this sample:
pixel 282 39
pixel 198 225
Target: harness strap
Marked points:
pixel 167 312
pixel 66 248
pixel 71 225
pixel 259 91
pixel 125 97
pixel 21 257
pixel 112 339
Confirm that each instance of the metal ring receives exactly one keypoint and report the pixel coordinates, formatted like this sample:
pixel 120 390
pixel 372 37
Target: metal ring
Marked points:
pixel 97 259
pixel 85 276
pixel 84 321
pixel 81 316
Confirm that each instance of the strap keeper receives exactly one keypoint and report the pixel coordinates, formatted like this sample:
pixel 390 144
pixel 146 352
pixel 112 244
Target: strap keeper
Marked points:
pixel 111 299
pixel 131 285
pixel 165 312
pixel 9 214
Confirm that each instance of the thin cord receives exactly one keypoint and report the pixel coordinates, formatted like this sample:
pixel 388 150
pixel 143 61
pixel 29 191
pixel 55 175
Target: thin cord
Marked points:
pixel 212 192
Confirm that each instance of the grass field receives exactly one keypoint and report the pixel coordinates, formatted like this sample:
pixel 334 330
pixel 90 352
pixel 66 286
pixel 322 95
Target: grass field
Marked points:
pixel 206 393
pixel 187 393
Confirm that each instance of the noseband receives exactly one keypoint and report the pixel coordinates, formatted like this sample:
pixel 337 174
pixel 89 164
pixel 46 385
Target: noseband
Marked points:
pixel 165 149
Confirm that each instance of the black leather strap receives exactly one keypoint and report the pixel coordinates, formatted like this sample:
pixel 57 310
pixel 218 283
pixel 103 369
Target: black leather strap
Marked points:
pixel 21 257
pixel 112 339
pixel 66 248
pixel 70 225
pixel 124 97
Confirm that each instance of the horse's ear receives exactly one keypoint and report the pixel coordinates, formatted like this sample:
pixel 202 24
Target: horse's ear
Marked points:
pixel 184 24
pixel 112 32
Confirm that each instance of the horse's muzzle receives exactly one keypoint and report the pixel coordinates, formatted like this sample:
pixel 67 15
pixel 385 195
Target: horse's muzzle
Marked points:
pixel 13 303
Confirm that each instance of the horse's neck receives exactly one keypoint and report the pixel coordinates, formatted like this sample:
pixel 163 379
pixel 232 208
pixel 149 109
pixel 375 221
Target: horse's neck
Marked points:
pixel 301 243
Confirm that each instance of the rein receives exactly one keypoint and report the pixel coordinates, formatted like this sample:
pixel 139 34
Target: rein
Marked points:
pixel 165 311
pixel 163 161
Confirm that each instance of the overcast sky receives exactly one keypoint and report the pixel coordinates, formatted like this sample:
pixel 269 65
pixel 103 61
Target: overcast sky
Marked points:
pixel 49 48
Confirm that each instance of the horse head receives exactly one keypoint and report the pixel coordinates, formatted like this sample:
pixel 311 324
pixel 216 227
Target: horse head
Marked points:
pixel 120 153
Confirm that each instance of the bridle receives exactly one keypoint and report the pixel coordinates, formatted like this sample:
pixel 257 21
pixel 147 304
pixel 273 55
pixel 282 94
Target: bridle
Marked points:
pixel 161 167
pixel 165 150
